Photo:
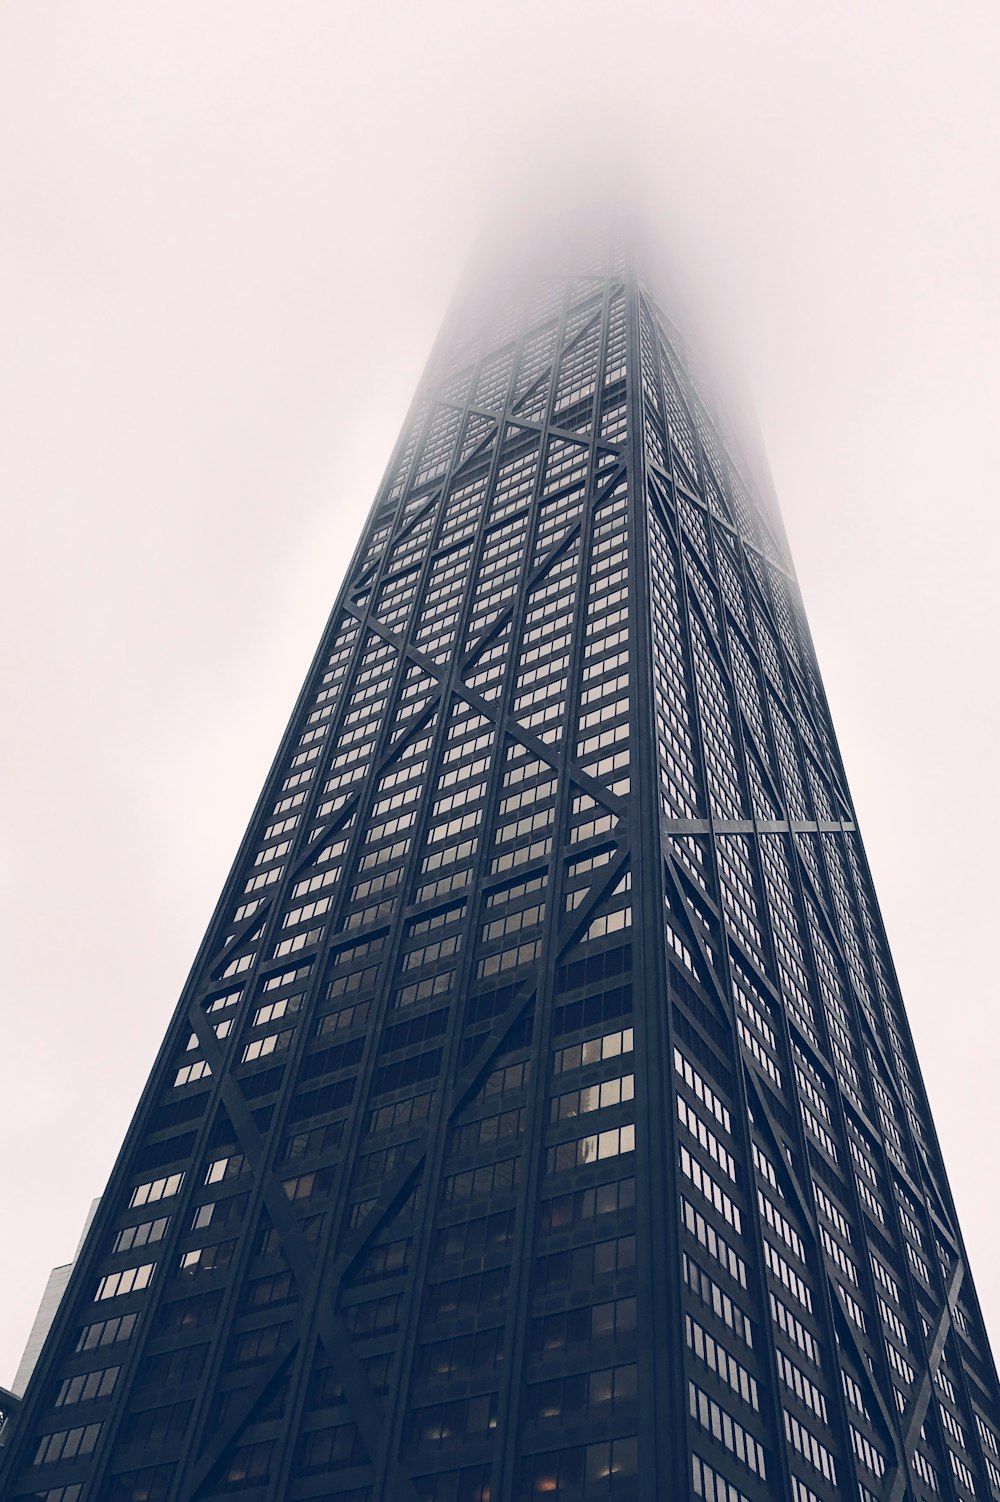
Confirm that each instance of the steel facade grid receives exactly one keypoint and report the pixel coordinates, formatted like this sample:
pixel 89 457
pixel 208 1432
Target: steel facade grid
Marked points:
pixel 566 558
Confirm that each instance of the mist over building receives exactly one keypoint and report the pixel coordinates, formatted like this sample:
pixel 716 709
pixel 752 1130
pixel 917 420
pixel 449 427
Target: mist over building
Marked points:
pixel 540 1117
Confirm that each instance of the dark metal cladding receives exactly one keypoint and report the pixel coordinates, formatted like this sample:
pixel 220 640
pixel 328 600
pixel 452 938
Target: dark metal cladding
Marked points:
pixel 540 1117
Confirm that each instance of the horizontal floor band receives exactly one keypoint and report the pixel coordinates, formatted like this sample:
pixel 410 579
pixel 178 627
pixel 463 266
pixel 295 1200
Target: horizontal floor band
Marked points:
pixel 757 826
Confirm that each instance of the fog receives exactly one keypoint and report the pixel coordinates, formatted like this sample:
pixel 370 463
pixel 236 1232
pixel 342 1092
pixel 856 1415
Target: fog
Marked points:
pixel 229 234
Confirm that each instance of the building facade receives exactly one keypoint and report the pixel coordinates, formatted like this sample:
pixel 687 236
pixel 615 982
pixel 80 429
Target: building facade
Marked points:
pixel 540 1117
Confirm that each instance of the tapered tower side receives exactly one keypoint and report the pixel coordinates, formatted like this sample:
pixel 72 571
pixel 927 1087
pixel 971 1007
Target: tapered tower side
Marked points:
pixel 784 943
pixel 430 910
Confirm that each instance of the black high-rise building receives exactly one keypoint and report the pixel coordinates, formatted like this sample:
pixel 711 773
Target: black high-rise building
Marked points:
pixel 540 1117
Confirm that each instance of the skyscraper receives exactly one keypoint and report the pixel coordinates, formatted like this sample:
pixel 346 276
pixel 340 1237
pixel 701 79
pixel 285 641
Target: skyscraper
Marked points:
pixel 540 1117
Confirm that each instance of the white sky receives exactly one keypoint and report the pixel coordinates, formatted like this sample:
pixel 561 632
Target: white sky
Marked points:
pixel 228 232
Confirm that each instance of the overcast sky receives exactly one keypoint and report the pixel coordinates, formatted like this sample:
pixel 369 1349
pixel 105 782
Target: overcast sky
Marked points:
pixel 228 233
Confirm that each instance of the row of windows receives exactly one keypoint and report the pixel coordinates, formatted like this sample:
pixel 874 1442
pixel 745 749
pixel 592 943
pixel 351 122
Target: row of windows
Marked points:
pixel 611 1092
pixel 711 1189
pixel 720 1361
pixel 590 1149
pixel 601 1394
pixel 572 1330
pixel 64 1444
pixel 712 1417
pixel 579 1269
pixel 607 1468
pixel 608 1046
